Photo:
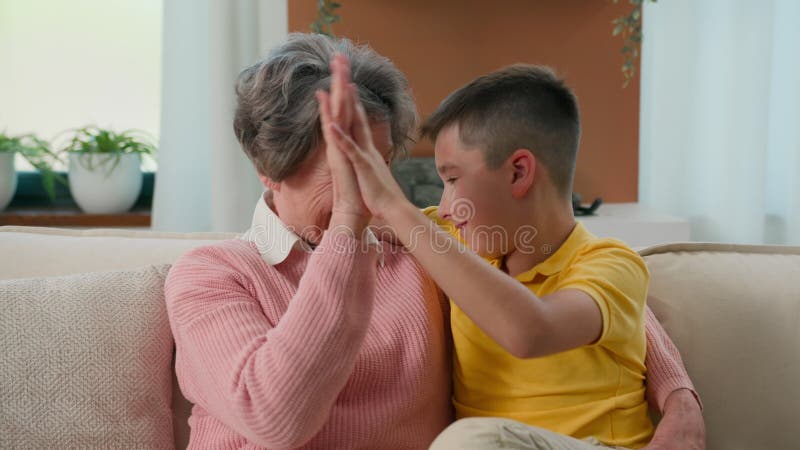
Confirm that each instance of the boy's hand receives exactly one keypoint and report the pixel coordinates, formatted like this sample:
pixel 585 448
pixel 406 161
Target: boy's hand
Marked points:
pixel 681 426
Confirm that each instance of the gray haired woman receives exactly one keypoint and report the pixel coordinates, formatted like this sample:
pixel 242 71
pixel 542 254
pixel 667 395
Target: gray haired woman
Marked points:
pixel 308 331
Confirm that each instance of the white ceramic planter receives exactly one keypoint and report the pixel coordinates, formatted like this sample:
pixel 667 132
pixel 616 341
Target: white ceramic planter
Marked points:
pixel 8 178
pixel 99 191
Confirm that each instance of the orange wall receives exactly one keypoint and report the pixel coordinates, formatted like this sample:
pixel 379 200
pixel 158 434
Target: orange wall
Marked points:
pixel 440 45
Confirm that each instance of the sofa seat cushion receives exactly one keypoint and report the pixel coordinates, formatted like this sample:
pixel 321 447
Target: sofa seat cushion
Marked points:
pixel 734 313
pixel 86 361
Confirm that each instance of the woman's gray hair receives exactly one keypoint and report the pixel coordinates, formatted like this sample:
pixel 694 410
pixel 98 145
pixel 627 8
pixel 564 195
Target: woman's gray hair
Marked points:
pixel 277 121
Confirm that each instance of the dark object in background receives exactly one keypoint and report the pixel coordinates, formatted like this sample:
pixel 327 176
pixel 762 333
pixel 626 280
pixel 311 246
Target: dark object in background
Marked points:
pixel 580 210
pixel 421 184
pixel 419 180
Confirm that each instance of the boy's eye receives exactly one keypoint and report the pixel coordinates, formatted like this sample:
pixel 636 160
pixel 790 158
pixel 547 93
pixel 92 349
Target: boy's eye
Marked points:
pixel 450 180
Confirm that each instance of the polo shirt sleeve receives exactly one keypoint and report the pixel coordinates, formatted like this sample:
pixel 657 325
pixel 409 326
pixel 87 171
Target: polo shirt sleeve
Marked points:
pixel 616 278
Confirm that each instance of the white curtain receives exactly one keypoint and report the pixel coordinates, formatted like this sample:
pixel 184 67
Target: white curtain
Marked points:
pixel 204 181
pixel 720 117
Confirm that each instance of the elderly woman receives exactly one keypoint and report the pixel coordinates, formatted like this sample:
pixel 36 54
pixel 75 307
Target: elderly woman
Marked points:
pixel 307 331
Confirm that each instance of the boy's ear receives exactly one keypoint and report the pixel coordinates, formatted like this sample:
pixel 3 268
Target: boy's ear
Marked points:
pixel 523 170
pixel 269 184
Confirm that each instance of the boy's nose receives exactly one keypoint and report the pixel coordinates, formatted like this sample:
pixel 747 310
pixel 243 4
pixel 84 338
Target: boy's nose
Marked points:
pixel 444 206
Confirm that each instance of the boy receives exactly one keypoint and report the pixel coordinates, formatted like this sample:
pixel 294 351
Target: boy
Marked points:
pixel 557 342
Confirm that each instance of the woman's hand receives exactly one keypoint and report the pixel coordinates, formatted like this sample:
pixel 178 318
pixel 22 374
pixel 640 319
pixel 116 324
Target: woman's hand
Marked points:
pixel 379 190
pixel 681 426
pixel 336 110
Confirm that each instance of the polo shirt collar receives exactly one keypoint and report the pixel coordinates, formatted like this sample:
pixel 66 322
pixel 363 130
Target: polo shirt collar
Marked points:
pixel 558 260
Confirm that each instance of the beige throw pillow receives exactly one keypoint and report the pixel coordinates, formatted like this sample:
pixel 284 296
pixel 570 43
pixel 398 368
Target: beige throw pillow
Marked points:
pixel 85 361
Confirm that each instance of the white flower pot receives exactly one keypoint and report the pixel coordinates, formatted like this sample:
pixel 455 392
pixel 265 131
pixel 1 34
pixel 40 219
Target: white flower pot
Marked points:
pixel 101 190
pixel 8 178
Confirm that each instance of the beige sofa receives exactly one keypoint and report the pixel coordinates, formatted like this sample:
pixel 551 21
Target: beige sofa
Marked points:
pixel 733 310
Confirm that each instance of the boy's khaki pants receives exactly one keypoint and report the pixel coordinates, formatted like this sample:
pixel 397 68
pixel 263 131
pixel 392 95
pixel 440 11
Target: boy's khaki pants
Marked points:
pixel 488 433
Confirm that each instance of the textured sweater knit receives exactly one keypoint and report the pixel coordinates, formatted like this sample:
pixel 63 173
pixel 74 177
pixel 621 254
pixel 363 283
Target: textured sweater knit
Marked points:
pixel 326 349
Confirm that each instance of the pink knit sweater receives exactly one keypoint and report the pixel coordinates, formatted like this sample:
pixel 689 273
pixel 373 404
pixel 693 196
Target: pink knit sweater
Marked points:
pixel 665 370
pixel 324 350
pixel 320 351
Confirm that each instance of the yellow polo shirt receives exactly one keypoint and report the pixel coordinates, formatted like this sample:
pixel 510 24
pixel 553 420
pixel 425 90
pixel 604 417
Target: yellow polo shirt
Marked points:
pixel 595 390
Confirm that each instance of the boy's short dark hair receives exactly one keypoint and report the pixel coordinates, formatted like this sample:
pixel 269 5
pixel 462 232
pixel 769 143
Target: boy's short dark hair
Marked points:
pixel 520 106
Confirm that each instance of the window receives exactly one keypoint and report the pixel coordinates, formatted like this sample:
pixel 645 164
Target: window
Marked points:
pixel 67 64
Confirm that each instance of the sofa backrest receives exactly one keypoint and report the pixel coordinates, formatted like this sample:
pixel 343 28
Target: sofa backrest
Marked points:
pixel 734 313
pixel 732 310
pixel 41 252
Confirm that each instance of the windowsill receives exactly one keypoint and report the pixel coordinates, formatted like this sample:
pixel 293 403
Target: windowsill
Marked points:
pixel 31 206
pixel 71 216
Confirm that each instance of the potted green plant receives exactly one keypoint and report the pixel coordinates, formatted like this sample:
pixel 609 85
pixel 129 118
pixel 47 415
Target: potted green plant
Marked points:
pixel 105 175
pixel 37 152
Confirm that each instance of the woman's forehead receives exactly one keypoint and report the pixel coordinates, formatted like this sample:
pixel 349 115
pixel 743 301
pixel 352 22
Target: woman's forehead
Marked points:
pixel 382 137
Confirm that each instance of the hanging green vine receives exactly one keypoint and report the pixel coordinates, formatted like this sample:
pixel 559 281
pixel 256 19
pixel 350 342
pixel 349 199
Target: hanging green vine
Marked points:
pixel 326 17
pixel 630 28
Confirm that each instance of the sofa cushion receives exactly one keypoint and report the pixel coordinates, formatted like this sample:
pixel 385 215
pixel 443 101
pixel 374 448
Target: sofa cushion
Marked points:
pixel 86 361
pixel 734 313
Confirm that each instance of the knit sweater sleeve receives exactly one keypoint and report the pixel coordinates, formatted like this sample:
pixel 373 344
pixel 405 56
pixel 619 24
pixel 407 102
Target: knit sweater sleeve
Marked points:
pixel 273 383
pixel 665 370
